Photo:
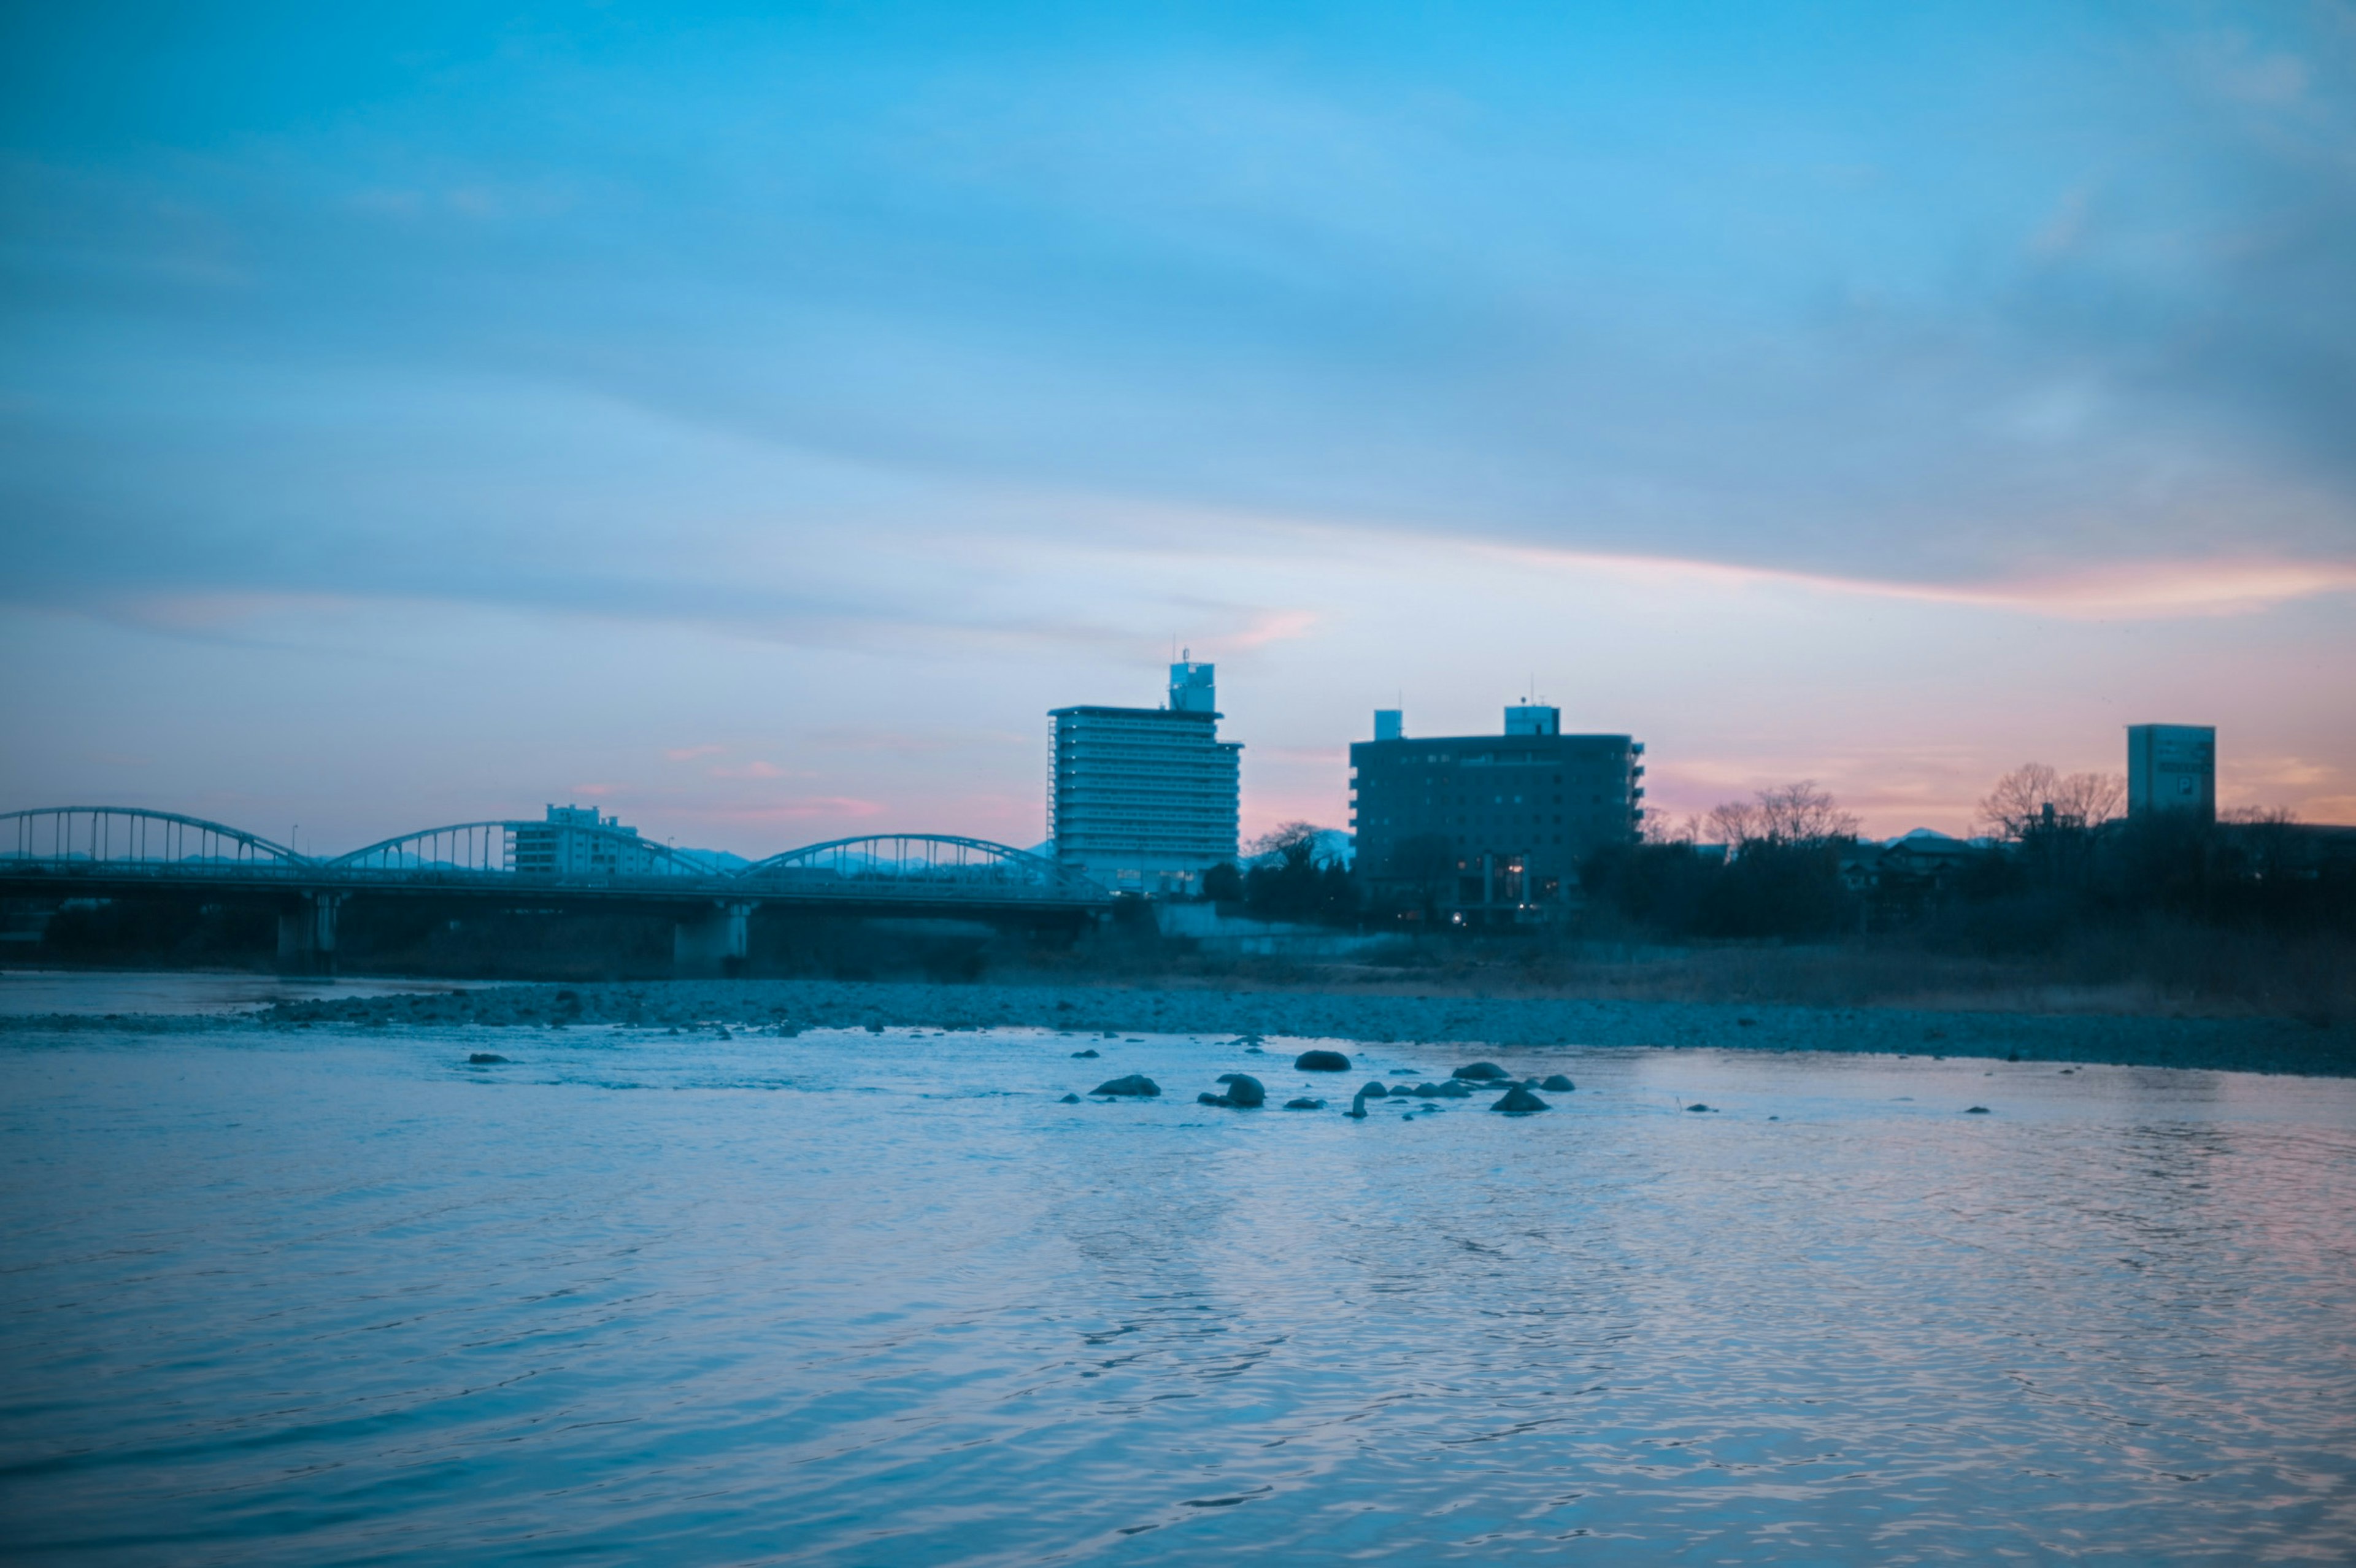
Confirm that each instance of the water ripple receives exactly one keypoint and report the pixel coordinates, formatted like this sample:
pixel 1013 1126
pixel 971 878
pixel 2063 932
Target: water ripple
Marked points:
pixel 852 1298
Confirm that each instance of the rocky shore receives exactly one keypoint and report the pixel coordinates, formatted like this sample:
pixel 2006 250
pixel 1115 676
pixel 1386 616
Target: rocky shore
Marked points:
pixel 2256 1045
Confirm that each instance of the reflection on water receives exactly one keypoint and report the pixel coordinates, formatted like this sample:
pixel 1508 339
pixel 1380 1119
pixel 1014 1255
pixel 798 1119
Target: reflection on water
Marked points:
pixel 881 1299
pixel 34 993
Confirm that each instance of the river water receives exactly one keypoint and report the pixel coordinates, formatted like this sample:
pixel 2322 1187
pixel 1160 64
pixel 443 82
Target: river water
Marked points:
pixel 322 1296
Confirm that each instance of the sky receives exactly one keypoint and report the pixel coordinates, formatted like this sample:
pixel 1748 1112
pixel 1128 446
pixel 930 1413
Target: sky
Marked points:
pixel 754 419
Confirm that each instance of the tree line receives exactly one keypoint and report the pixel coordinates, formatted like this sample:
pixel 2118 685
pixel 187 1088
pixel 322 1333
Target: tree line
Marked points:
pixel 1788 862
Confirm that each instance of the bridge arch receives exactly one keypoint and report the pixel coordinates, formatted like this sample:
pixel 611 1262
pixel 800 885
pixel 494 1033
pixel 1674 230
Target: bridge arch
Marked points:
pixel 512 848
pixel 918 864
pixel 89 836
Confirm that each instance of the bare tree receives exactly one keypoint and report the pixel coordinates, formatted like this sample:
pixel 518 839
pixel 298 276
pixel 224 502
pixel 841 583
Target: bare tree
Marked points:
pixel 1290 841
pixel 2089 800
pixel 1794 814
pixel 2034 795
pixel 1735 823
pixel 1803 813
pixel 2014 805
pixel 1662 830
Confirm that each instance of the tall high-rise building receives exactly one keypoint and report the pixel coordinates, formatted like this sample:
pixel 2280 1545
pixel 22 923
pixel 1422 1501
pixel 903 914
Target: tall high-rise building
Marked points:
pixel 2172 767
pixel 1144 799
pixel 1487 827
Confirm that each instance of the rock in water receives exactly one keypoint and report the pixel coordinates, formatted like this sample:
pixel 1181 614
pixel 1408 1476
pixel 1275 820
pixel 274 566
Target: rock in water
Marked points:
pixel 1069 1100
pixel 1305 1104
pixel 1244 1091
pixel 486 1059
pixel 1372 1090
pixel 1697 1105
pixel 1558 1085
pixel 1517 1100
pixel 1136 1084
pixel 1977 1111
pixel 1090 1054
pixel 1455 1090
pixel 1322 1061
pixel 1480 1073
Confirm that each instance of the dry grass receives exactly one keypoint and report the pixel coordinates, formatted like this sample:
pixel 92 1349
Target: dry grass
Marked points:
pixel 2161 971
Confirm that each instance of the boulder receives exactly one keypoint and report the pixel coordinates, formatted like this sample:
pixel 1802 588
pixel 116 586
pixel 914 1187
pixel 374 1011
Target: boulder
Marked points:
pixel 1090 1054
pixel 1697 1105
pixel 1558 1085
pixel 1372 1090
pixel 1304 1104
pixel 1481 1072
pixel 1519 1101
pixel 1321 1061
pixel 1069 1100
pixel 1977 1111
pixel 1136 1084
pixel 486 1059
pixel 1455 1090
pixel 1244 1090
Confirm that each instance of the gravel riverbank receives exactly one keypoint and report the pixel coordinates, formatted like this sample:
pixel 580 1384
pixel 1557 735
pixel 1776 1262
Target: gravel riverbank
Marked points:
pixel 2256 1045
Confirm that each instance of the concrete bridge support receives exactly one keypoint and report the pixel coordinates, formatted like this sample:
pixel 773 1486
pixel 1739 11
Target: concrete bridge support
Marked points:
pixel 306 934
pixel 710 940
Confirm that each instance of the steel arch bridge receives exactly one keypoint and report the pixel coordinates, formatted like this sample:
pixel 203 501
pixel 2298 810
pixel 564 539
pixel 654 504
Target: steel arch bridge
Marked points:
pixel 917 864
pixel 160 842
pixel 505 846
pixel 61 853
pixel 67 848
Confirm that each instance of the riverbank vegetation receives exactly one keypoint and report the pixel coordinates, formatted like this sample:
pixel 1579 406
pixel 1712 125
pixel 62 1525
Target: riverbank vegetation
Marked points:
pixel 2060 907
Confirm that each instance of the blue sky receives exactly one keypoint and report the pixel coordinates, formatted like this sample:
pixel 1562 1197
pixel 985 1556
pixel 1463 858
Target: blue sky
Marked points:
pixel 755 418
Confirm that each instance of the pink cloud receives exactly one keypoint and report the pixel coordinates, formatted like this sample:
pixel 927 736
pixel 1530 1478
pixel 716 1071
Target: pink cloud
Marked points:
pixel 2156 590
pixel 796 810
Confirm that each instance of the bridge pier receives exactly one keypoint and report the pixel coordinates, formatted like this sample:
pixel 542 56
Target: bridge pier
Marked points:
pixel 711 940
pixel 306 934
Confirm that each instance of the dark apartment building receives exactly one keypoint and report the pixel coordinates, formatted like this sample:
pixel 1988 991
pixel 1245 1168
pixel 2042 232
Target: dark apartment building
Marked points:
pixel 1484 828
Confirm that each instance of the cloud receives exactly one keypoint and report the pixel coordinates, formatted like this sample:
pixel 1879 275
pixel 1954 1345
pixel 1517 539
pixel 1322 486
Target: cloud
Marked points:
pixel 1395 292
pixel 757 812
pixel 2157 590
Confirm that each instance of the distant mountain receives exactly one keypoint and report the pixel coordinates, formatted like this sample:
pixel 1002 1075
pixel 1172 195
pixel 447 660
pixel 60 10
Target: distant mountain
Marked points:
pixel 1335 845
